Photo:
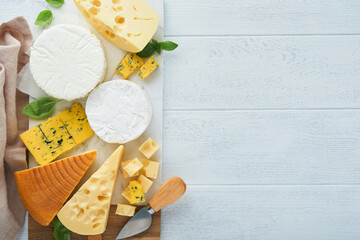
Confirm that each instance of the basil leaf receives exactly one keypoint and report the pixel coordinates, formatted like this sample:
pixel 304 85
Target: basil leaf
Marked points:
pixel 44 18
pixel 156 46
pixel 40 108
pixel 60 231
pixel 55 3
pixel 147 51
pixel 168 45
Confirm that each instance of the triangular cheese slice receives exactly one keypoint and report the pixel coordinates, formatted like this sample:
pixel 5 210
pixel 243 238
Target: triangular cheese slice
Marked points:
pixel 44 189
pixel 87 212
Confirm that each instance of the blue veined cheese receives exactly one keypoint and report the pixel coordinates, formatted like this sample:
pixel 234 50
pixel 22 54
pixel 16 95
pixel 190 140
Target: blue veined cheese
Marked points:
pixel 67 61
pixel 118 111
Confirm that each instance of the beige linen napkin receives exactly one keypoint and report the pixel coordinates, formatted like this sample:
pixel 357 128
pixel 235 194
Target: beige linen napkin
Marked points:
pixel 15 39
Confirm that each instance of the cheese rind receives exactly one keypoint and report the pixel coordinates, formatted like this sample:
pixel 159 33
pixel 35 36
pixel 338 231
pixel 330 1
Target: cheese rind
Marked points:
pixel 125 210
pixel 67 61
pixel 149 147
pixel 57 134
pixel 132 167
pixel 128 24
pixel 150 169
pixel 145 183
pixel 145 70
pixel 87 212
pixel 136 192
pixel 44 189
pixel 119 111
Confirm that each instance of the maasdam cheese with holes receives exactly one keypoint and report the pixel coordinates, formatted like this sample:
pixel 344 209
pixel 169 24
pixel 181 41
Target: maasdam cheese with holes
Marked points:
pixel 67 61
pixel 118 111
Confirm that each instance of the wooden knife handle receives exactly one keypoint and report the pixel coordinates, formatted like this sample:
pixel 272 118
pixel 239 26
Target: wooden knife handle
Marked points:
pixel 168 193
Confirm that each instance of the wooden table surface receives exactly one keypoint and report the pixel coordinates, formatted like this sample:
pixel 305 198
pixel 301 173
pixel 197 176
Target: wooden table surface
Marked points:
pixel 261 118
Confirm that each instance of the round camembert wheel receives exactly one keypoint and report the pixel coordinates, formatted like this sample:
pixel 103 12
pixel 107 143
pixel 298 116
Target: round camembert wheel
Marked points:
pixel 118 111
pixel 67 61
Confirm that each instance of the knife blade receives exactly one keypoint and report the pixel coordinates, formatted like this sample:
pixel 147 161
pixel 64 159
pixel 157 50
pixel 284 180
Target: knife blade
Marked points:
pixel 168 193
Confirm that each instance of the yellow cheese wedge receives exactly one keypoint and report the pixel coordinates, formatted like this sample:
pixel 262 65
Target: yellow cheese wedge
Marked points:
pixel 145 183
pixel 128 24
pixel 145 70
pixel 149 147
pixel 150 169
pixel 87 212
pixel 44 189
pixel 136 192
pixel 125 210
pixel 57 134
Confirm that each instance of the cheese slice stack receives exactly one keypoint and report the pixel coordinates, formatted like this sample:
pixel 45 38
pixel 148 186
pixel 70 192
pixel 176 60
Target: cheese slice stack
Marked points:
pixel 87 212
pixel 128 24
pixel 45 189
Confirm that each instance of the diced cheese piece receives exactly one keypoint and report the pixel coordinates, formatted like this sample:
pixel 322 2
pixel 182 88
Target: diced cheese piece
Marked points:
pixel 57 135
pixel 132 167
pixel 150 65
pixel 125 210
pixel 87 212
pixel 128 65
pixel 136 192
pixel 126 193
pixel 145 183
pixel 67 61
pixel 76 123
pixel 119 111
pixel 150 168
pixel 125 173
pixel 45 189
pixel 128 24
pixel 149 147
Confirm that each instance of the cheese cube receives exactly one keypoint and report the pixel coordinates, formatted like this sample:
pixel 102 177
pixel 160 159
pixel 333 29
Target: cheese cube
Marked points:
pixel 128 65
pixel 131 167
pixel 149 147
pixel 125 210
pixel 145 183
pixel 57 134
pixel 136 192
pixel 150 65
pixel 126 193
pixel 126 175
pixel 150 168
pixel 128 24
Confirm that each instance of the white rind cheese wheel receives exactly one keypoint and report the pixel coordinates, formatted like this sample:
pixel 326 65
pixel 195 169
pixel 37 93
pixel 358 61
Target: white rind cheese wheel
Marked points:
pixel 67 61
pixel 118 111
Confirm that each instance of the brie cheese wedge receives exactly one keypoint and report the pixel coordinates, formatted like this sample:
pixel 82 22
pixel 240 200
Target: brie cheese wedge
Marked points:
pixel 67 61
pixel 118 111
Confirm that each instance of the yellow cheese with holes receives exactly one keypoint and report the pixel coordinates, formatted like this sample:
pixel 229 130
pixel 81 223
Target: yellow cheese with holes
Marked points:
pixel 128 24
pixel 145 183
pixel 87 212
pixel 150 168
pixel 57 134
pixel 136 192
pixel 145 70
pixel 132 167
pixel 149 147
pixel 128 64
pixel 125 210
pixel 126 193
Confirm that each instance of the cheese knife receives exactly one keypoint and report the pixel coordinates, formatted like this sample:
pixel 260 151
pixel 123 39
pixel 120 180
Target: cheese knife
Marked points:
pixel 168 193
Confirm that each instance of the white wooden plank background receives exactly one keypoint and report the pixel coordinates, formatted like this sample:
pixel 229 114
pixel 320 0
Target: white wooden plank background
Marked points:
pixel 261 118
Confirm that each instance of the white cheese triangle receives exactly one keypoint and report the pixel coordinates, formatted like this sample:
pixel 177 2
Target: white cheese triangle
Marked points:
pixel 87 212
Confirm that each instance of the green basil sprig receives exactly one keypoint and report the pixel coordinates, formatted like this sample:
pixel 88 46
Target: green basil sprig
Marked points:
pixel 55 3
pixel 155 46
pixel 60 231
pixel 44 18
pixel 40 108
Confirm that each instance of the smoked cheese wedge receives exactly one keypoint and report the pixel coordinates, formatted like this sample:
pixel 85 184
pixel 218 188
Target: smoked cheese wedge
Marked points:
pixel 44 189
